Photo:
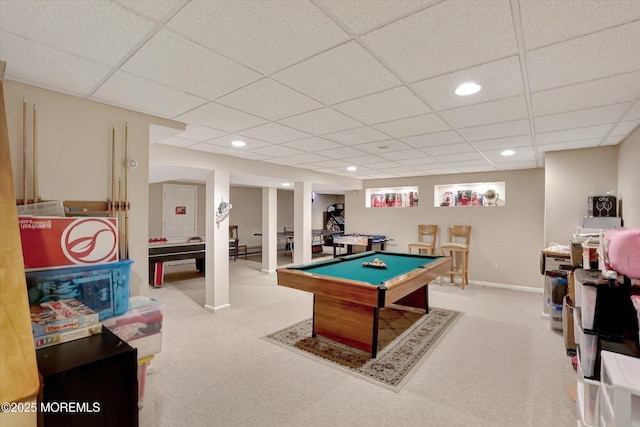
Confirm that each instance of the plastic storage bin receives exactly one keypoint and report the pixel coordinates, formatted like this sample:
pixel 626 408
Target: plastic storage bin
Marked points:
pixel 555 317
pixel 104 287
pixel 587 398
pixel 619 391
pixel 55 208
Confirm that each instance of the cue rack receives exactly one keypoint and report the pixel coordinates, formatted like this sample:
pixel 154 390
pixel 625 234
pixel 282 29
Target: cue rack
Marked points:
pixel 117 204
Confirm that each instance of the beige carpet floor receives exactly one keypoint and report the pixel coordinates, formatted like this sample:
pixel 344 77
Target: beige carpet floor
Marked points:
pixel 500 365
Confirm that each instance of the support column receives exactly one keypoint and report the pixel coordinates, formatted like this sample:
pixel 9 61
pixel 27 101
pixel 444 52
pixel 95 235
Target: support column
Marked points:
pixel 269 229
pixel 302 223
pixel 217 244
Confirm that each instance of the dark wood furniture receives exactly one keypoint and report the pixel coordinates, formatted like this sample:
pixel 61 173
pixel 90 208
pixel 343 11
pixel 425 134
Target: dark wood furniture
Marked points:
pixel 89 382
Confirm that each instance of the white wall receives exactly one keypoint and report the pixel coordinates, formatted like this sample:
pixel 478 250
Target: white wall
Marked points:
pixel 629 178
pixel 570 178
pixel 74 157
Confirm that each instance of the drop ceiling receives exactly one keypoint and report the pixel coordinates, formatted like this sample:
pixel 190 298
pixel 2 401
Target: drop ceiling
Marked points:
pixel 326 84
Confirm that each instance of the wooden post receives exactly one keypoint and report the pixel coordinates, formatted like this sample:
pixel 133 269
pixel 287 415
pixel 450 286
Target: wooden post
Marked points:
pixel 126 191
pixel 113 171
pixel 25 194
pixel 35 154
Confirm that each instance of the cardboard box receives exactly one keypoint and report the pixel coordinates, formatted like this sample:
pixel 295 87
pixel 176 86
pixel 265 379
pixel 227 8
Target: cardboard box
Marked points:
pixel 602 206
pixel 567 325
pixel 65 242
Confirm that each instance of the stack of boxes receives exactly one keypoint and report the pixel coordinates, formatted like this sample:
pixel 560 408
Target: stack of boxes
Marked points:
pixel 75 259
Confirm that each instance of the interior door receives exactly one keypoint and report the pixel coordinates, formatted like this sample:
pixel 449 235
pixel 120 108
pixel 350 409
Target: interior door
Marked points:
pixel 179 216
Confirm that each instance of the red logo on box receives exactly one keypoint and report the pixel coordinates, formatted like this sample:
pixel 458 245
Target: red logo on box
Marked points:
pixel 59 241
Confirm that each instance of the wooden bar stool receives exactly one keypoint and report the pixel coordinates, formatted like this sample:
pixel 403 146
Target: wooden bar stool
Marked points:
pixel 457 247
pixel 427 240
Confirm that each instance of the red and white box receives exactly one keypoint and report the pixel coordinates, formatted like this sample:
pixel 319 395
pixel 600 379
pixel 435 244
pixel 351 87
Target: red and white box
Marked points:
pixel 62 242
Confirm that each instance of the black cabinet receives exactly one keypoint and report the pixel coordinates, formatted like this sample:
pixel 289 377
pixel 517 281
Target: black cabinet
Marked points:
pixel 88 382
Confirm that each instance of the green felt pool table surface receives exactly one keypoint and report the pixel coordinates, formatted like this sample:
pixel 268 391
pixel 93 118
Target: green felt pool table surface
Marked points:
pixel 351 267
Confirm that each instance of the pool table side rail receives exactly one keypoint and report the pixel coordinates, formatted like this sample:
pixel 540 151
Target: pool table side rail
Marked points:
pixel 415 279
pixel 349 290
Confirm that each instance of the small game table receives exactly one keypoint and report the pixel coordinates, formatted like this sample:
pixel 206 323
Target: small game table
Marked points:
pixel 161 252
pixel 348 296
pixel 367 241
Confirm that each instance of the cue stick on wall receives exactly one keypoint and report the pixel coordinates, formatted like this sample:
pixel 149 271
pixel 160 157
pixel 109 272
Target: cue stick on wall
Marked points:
pixel 35 154
pixel 113 171
pixel 25 195
pixel 118 215
pixel 126 191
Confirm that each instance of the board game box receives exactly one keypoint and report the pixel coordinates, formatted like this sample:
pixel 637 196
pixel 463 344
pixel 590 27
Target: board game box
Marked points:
pixel 66 336
pixel 61 315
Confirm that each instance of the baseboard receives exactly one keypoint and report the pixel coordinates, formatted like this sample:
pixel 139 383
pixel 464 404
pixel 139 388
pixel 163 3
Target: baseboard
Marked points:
pixel 503 286
pixel 217 309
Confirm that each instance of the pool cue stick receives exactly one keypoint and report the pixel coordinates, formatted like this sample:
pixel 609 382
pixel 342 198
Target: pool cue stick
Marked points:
pixel 25 196
pixel 126 191
pixel 35 154
pixel 113 171
pixel 118 216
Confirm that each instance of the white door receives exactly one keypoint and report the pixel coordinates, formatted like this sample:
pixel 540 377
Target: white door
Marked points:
pixel 179 216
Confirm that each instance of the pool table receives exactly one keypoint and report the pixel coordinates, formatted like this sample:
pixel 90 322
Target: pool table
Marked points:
pixel 347 296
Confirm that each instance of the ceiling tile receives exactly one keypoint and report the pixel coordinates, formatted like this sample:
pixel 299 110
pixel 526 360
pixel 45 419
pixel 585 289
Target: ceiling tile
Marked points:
pixel 461 157
pixel 178 62
pixel 428 140
pixel 572 145
pixel 440 150
pixel 573 134
pixel 363 15
pixel 335 163
pixel 246 30
pixel 366 160
pixel 134 92
pixel 226 141
pixel 40 65
pixel 312 144
pixel 154 9
pixel 611 90
pixel 613 140
pixel 477 168
pixel 339 74
pixel 418 125
pixel 322 121
pixel 633 113
pixel 625 128
pixel 383 146
pixel 486 113
pixel 419 161
pixel 101 31
pixel 522 154
pixel 587 58
pixel 499 79
pixel 276 151
pixel 274 132
pixel 342 153
pixel 221 117
pixel 270 99
pixel 401 155
pixel 356 136
pixel 547 22
pixel 383 165
pixel 520 165
pixel 478 32
pixel 497 130
pixel 217 149
pixel 582 118
pixel 298 159
pixel 503 143
pixel 385 106
pixel 200 133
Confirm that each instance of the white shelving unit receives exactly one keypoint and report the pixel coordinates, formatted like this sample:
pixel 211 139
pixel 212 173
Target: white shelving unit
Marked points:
pixel 619 390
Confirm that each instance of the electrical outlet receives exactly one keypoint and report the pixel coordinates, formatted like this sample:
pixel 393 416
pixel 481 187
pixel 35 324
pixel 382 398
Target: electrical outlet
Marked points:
pixel 494 266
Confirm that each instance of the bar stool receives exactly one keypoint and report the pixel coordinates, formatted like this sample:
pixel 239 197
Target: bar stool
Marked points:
pixel 429 232
pixel 457 247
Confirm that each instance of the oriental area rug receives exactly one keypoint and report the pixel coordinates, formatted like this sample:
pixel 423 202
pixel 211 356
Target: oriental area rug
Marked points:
pixel 406 337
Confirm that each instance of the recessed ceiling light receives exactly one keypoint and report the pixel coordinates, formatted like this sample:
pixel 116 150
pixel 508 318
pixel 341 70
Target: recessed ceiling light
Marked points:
pixel 508 153
pixel 468 88
pixel 352 168
pixel 238 143
pixel 286 184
